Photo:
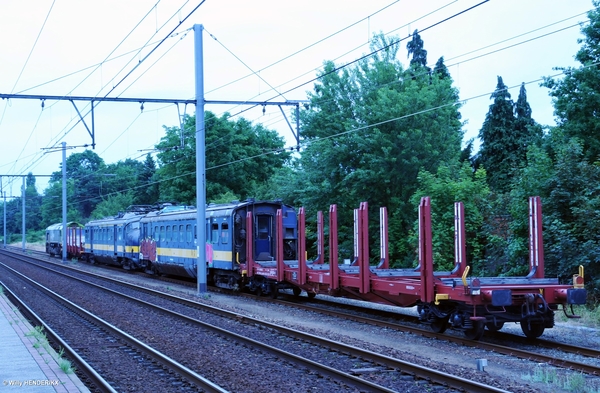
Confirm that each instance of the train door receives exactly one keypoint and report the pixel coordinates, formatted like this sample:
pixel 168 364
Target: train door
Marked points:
pixel 114 239
pixel 262 244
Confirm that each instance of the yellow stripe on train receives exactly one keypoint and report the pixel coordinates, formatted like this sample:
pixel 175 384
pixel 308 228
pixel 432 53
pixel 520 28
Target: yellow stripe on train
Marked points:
pixel 191 253
pixel 111 248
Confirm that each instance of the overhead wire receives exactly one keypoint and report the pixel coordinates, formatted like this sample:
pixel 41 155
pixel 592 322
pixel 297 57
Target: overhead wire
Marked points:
pixel 29 56
pixel 21 73
pixel 241 61
pixel 353 130
pixel 310 46
pixel 123 40
pixel 338 68
pixel 142 60
pixel 214 144
pixel 491 52
pixel 475 96
pixel 97 65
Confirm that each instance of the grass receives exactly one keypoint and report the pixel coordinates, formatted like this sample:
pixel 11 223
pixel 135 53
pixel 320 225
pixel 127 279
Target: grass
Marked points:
pixel 548 375
pixel 571 382
pixel 42 342
pixel 590 316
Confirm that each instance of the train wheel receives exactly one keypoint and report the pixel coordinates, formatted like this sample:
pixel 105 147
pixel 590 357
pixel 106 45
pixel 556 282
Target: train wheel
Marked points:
pixel 439 325
pixel 476 332
pixel 532 329
pixel 296 291
pixel 311 295
pixel 494 327
pixel 274 291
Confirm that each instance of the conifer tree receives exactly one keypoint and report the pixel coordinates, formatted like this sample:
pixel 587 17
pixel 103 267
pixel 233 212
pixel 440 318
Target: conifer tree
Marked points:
pixel 498 142
pixel 527 131
pixel 415 48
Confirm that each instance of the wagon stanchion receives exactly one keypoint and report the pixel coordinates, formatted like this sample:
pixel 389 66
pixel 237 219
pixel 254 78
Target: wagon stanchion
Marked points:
pixel 333 248
pixel 363 250
pixel 460 245
pixel 249 243
pixel 301 247
pixel 536 245
pixel 279 246
pixel 384 258
pixel 320 242
pixel 425 251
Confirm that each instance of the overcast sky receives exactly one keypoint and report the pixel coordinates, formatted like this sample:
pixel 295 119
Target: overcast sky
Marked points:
pixel 86 48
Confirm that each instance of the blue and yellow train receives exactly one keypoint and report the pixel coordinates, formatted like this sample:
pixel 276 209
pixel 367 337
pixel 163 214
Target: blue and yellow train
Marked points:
pixel 162 240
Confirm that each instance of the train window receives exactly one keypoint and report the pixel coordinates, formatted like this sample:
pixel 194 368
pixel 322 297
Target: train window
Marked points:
pixel 181 234
pixel 195 235
pixel 215 232
pixel 169 234
pixel 156 233
pixel 188 233
pixel 224 233
pixel 263 227
pixel 120 236
pixel 162 233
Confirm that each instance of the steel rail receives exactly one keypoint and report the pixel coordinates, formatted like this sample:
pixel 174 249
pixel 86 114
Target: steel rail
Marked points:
pixel 523 354
pixel 435 376
pixel 188 374
pixel 82 366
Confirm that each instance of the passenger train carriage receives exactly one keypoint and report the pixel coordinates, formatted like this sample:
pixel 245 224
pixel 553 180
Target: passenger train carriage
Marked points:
pixel 75 239
pixel 168 239
pixel 116 240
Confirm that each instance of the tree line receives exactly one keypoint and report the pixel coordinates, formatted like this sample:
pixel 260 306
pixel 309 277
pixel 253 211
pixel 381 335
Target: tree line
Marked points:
pixel 386 133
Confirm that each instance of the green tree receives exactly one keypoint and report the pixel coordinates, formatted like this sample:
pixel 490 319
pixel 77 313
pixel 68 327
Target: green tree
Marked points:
pixel 498 141
pixel 239 157
pixel 576 97
pixel 113 204
pixel 573 214
pixel 85 171
pixel 455 183
pixel 33 205
pixel 368 132
pixel 440 69
pixel 51 209
pixel 527 131
pixel 416 49
pixel 147 179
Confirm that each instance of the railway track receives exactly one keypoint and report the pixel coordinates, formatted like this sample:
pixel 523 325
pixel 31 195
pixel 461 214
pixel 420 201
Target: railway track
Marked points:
pixel 493 340
pixel 485 344
pixel 370 363
pixel 92 332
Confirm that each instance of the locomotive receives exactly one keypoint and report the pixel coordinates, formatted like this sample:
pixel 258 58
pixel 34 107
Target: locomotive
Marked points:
pixel 75 239
pixel 261 246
